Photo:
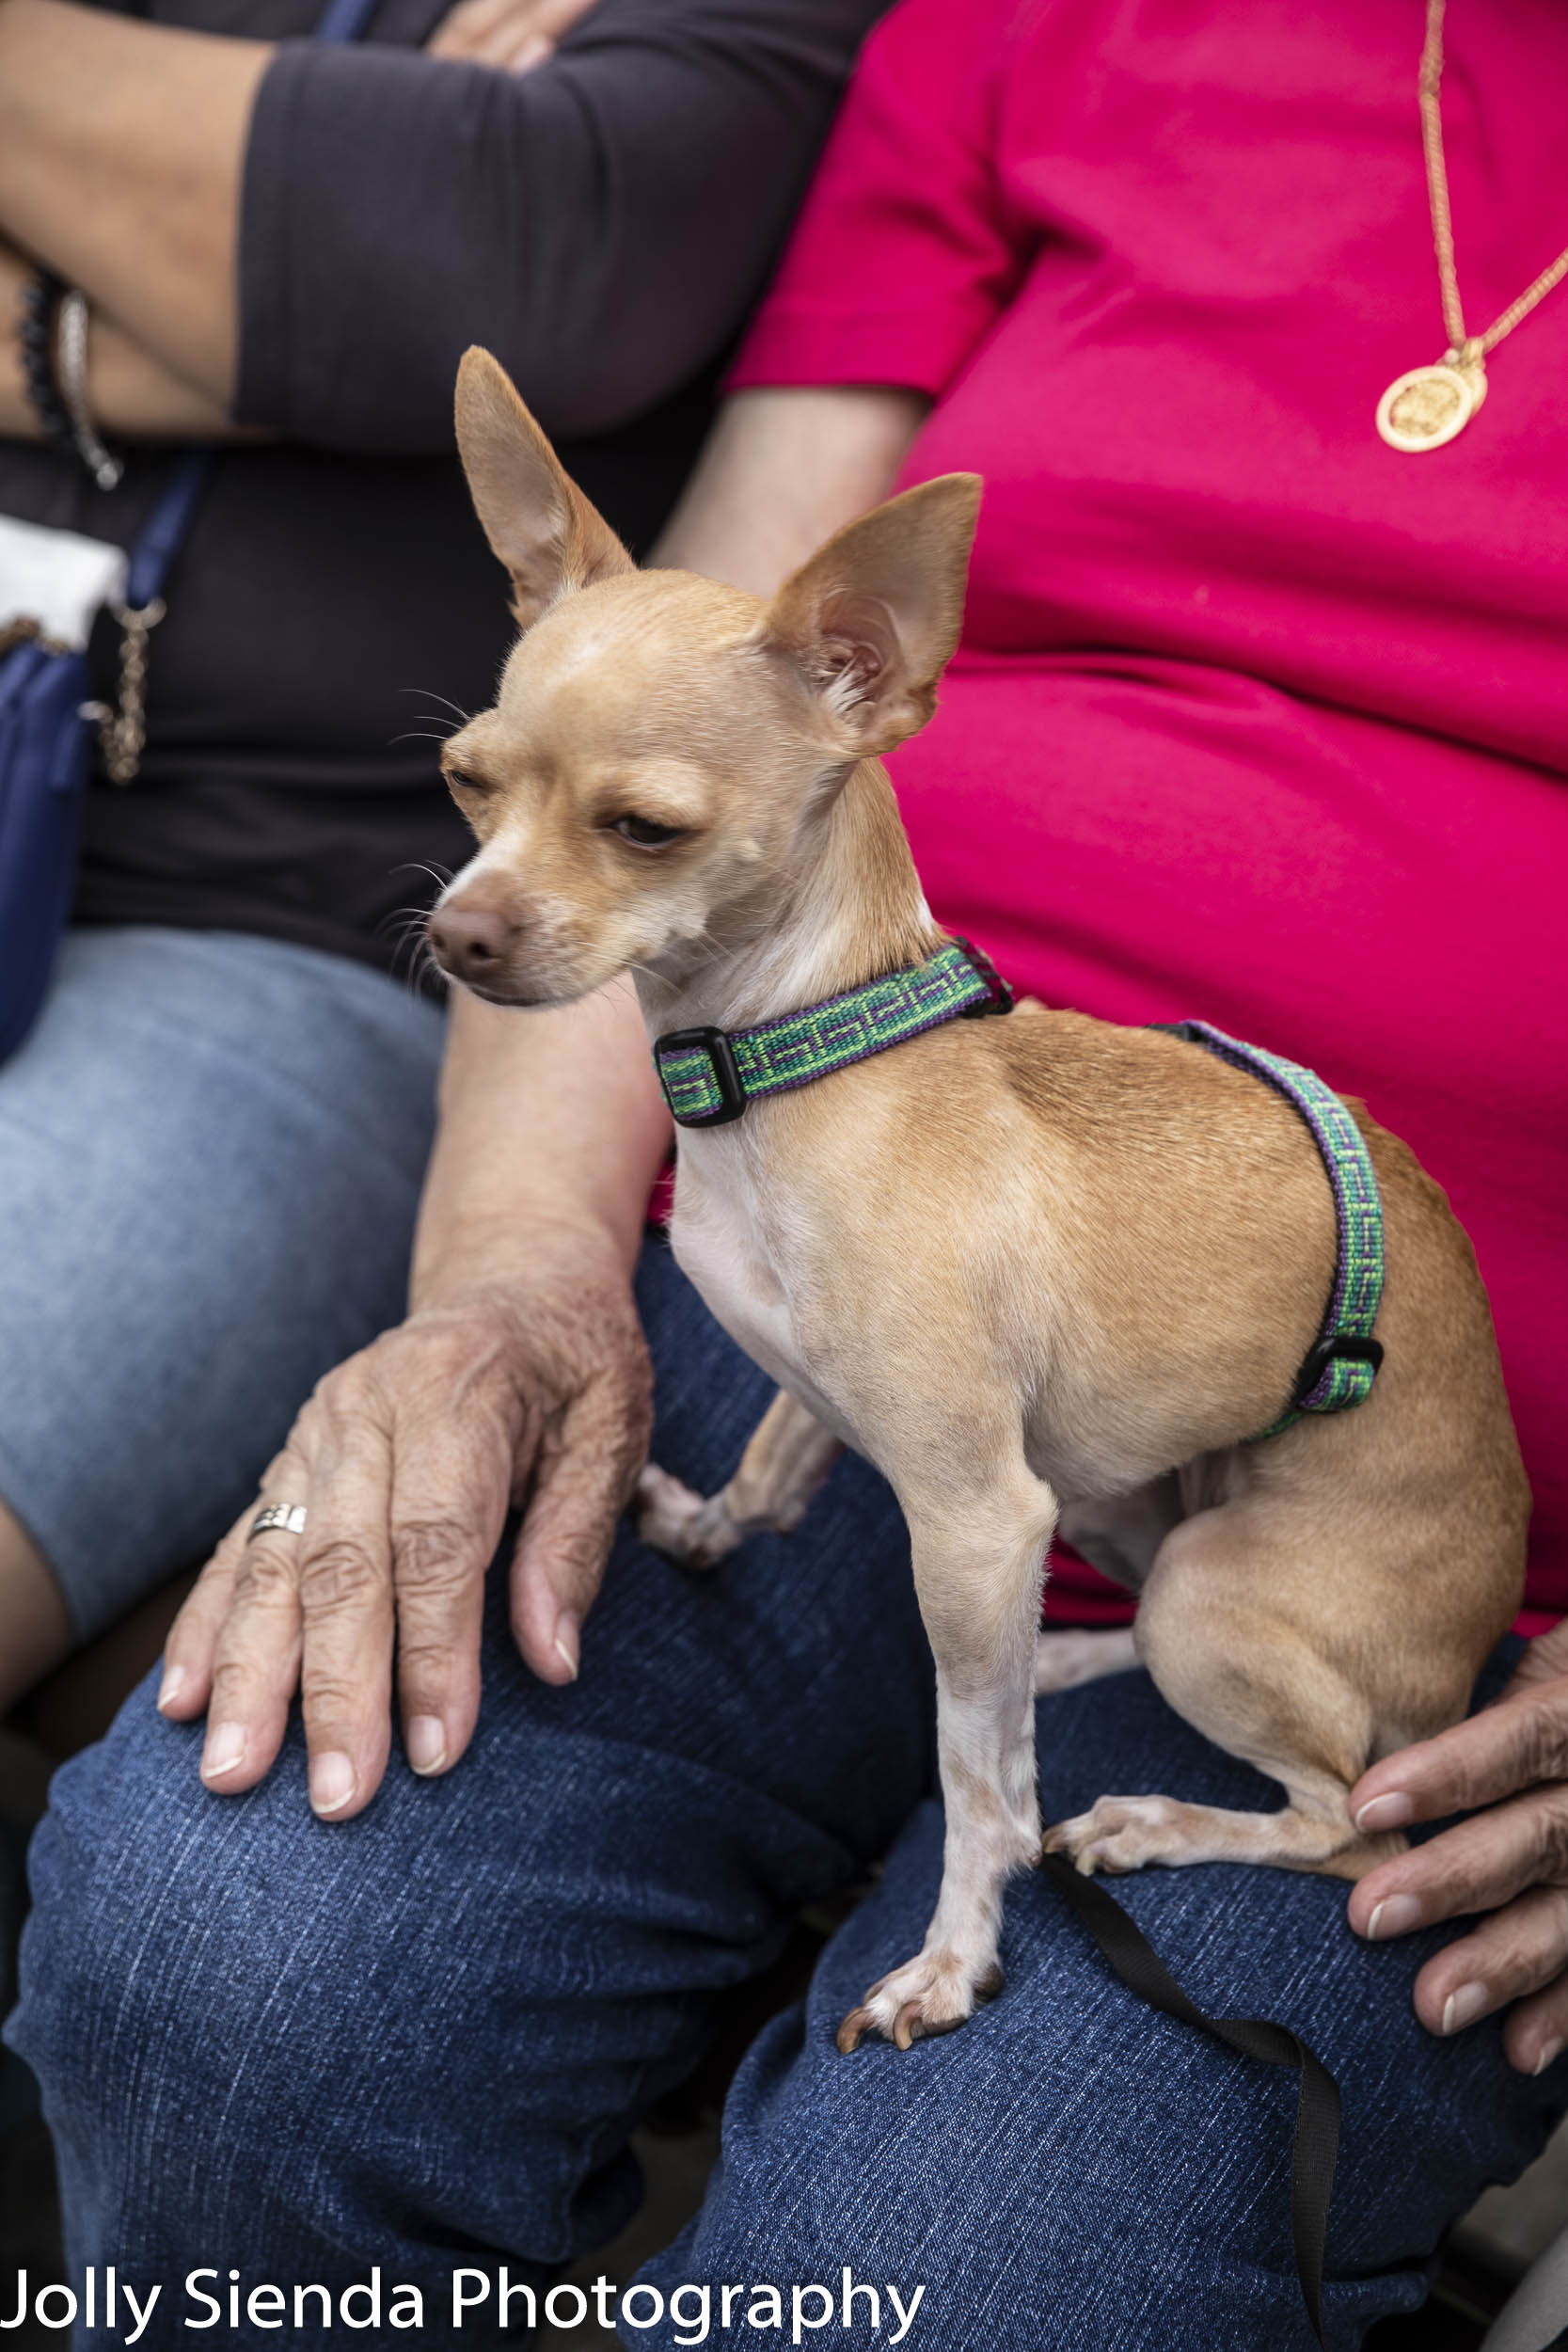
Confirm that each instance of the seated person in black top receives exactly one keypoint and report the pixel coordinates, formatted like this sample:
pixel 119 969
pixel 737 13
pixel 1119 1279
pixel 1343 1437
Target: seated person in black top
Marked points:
pixel 213 1145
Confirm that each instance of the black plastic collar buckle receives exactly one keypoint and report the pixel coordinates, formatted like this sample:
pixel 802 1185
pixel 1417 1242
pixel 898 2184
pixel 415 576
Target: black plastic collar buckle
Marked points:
pixel 1342 1349
pixel 716 1044
pixel 999 997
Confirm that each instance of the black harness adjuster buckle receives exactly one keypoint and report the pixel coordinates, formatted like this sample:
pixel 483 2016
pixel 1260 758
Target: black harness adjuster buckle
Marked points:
pixel 999 997
pixel 1342 1349
pixel 716 1044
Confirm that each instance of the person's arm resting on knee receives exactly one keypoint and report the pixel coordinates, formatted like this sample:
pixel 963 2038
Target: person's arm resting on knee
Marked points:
pixel 520 1372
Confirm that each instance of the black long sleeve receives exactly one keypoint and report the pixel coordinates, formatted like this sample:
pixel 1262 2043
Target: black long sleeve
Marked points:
pixel 601 224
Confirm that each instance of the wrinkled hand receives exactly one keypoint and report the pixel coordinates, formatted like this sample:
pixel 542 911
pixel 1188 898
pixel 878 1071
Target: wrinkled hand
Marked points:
pixel 516 34
pixel 408 1458
pixel 1509 1862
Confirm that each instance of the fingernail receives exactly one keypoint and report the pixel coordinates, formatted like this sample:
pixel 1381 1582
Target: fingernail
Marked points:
pixel 1396 1914
pixel 224 1751
pixel 1390 1812
pixel 566 1641
pixel 425 1743
pixel 533 52
pixel 173 1683
pixel 1463 2008
pixel 1552 2051
pixel 331 1782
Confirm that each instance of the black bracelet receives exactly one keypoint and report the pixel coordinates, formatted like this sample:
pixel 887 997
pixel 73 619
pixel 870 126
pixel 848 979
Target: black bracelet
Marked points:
pixel 37 337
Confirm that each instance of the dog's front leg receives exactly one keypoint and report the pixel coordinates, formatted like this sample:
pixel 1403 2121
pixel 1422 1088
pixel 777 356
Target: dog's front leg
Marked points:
pixel 978 1567
pixel 788 1457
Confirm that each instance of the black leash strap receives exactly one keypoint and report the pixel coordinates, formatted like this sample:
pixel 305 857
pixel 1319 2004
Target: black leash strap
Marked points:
pixel 1317 2137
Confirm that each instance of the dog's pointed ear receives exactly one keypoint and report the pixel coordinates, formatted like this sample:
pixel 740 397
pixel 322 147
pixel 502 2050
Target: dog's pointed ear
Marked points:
pixel 536 519
pixel 873 619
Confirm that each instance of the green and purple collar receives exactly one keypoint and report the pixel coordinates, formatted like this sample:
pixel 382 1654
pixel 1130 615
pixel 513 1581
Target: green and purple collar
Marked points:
pixel 710 1076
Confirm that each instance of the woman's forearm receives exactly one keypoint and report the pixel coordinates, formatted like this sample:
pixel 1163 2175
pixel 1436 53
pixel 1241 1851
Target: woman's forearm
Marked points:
pixel 122 150
pixel 555 1117
pixel 135 396
pixel 549 1119
pixel 782 471
pixel 129 391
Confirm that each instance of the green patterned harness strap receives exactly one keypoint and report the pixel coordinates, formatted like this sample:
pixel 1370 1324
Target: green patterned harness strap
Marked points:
pixel 1339 1367
pixel 710 1075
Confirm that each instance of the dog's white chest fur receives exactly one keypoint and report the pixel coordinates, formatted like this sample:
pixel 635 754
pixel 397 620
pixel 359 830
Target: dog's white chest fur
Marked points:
pixel 717 1234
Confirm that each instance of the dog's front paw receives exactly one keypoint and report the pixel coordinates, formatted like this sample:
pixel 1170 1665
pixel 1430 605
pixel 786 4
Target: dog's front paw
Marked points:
pixel 933 1994
pixel 1120 1833
pixel 687 1527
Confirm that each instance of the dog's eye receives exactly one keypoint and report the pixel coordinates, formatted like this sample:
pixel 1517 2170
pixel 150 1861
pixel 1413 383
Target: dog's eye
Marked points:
pixel 461 781
pixel 644 831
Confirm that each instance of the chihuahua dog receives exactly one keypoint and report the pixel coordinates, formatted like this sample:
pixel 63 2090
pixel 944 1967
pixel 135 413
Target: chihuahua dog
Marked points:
pixel 1042 1271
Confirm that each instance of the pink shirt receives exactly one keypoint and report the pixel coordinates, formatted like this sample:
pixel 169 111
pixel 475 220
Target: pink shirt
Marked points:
pixel 1255 718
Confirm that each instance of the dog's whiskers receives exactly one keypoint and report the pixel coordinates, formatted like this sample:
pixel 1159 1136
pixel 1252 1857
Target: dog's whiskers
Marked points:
pixel 407 927
pixel 463 716
pixel 439 875
pixel 423 968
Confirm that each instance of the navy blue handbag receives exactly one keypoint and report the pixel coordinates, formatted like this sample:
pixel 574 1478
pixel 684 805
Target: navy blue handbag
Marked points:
pixel 45 729
pixel 46 724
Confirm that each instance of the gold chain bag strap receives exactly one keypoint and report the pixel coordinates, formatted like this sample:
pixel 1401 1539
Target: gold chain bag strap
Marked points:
pixel 122 728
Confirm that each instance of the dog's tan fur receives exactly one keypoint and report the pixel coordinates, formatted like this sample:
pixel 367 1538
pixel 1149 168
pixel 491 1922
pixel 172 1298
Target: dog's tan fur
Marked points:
pixel 1041 1270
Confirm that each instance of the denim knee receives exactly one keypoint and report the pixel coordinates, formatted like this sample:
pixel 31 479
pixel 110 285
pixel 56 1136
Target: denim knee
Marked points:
pixel 268 2041
pixel 265 2040
pixel 211 2060
pixel 266 2044
pixel 1072 2169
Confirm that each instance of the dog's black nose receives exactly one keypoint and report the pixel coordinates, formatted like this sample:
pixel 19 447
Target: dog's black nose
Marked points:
pixel 471 943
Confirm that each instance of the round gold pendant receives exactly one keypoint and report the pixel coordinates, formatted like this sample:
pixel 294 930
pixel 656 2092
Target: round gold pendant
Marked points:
pixel 1427 407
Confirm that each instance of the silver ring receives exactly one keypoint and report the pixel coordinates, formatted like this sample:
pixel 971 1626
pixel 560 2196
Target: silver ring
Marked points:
pixel 290 1517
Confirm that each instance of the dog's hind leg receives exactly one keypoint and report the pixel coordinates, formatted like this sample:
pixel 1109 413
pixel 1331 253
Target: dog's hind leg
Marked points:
pixel 1081 1654
pixel 1310 1833
pixel 1121 1534
pixel 978 1559
pixel 1227 1630
pixel 788 1455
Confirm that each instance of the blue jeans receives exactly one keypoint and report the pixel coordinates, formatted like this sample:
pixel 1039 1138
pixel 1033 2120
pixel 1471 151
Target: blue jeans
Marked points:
pixel 210 1153
pixel 419 2040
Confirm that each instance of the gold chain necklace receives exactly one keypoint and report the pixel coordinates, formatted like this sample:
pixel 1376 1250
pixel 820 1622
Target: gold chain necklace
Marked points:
pixel 1429 406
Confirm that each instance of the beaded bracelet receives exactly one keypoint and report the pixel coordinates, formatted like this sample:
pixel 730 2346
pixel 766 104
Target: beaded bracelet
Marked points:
pixel 36 336
pixel 53 338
